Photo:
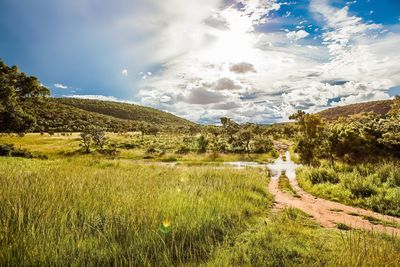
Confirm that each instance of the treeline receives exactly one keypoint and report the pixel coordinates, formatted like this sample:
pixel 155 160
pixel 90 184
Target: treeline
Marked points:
pixel 358 138
pixel 231 137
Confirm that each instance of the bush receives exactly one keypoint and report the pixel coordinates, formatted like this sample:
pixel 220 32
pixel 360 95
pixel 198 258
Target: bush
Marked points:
pixel 322 175
pixel 201 144
pixel 359 186
pixel 8 150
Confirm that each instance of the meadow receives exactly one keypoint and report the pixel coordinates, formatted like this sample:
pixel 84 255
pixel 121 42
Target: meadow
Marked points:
pixel 94 210
pixel 132 146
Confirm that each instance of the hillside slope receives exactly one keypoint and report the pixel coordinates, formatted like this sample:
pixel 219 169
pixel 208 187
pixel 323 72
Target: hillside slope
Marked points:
pixel 70 115
pixel 380 107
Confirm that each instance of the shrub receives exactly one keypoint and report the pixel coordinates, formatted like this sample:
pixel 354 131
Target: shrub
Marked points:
pixel 322 175
pixel 8 150
pixel 201 144
pixel 359 186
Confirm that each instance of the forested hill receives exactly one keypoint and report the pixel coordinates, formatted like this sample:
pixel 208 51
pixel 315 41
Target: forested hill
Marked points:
pixel 71 114
pixel 380 107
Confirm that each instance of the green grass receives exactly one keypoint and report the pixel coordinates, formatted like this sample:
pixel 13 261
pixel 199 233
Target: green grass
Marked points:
pixel 291 238
pixel 343 226
pixel 371 186
pixel 84 211
pixel 59 146
pixel 102 212
pixel 284 185
pixel 376 221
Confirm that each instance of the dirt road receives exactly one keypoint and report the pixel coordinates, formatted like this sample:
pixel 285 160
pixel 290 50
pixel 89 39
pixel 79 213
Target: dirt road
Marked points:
pixel 326 213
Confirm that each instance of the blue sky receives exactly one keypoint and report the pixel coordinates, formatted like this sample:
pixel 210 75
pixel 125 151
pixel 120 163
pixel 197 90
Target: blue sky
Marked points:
pixel 253 60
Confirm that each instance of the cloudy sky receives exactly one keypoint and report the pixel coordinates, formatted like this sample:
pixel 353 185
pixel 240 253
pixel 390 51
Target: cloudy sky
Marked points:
pixel 251 60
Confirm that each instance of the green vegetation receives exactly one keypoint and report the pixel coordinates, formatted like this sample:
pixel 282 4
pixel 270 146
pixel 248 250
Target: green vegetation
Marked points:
pixel 365 137
pixel 374 220
pixel 113 212
pixel 75 115
pixel 373 186
pixel 290 238
pixel 101 212
pixel 16 91
pixel 343 226
pixel 134 146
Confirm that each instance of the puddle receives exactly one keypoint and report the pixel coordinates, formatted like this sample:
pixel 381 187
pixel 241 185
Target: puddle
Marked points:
pixel 280 165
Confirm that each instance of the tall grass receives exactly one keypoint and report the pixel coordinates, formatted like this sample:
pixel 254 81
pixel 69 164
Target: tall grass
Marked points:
pixel 97 212
pixel 373 186
pixel 291 238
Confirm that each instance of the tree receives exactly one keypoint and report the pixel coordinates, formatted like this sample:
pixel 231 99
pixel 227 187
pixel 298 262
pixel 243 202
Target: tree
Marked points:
pixel 99 137
pixel 230 128
pixel 17 92
pixel 86 141
pixel 310 137
pixel 201 144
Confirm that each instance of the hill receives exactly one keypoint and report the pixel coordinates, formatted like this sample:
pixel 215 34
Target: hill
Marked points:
pixel 380 107
pixel 71 114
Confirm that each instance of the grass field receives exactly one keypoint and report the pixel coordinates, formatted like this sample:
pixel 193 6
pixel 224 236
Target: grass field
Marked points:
pixel 76 209
pixel 88 212
pixel 130 146
pixel 96 212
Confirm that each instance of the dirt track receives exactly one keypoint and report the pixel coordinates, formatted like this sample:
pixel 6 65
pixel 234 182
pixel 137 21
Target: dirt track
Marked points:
pixel 326 213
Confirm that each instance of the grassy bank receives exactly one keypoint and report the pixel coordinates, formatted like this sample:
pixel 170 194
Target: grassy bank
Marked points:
pixel 372 186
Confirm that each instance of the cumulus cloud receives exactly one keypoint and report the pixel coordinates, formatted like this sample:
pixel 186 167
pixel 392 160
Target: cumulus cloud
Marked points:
pixel 124 72
pixel 203 96
pixel 242 67
pixel 354 61
pixel 225 84
pixel 297 35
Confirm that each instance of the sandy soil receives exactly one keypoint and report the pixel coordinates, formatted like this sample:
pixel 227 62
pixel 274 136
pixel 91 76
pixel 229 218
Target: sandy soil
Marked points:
pixel 325 212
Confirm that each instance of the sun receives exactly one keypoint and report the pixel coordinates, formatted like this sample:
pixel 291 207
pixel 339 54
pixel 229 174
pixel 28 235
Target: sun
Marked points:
pixel 235 44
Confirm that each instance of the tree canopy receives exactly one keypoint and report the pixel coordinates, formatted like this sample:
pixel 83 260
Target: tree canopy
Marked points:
pixel 16 89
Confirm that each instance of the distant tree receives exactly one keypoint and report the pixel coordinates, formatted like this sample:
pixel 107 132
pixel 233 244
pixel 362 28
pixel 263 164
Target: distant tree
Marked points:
pixel 230 128
pixel 201 144
pixel 214 135
pixel 152 130
pixel 99 137
pixel 17 90
pixel 143 128
pixel 86 140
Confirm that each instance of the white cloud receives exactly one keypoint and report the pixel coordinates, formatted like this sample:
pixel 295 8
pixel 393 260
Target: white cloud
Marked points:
pixel 124 72
pixel 297 35
pixel 60 86
pixel 232 70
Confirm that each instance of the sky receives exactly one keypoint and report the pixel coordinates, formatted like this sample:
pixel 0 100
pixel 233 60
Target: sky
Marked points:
pixel 250 60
